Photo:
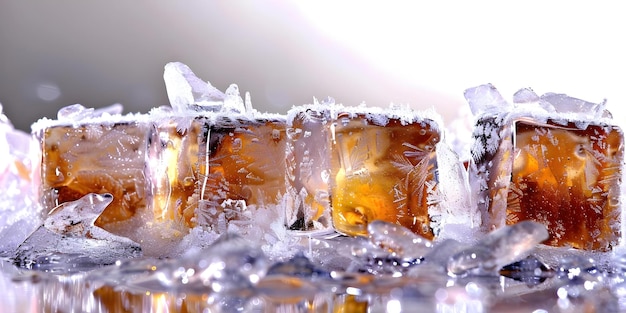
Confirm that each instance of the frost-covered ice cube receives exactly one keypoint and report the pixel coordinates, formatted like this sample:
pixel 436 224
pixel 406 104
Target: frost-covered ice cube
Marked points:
pixel 382 167
pixel 552 159
pixel 370 163
pixel 68 240
pixel 101 154
pixel 499 248
pixel 242 160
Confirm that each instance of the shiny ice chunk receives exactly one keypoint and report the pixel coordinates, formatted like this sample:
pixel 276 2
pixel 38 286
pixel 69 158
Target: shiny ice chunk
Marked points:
pixel 485 99
pixel 398 239
pixel 76 112
pixel 185 90
pixel 68 239
pixel 499 248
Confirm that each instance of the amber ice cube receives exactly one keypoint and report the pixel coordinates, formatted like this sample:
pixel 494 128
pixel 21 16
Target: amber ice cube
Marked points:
pixel 561 175
pixel 308 168
pixel 241 163
pixel 382 172
pixel 96 158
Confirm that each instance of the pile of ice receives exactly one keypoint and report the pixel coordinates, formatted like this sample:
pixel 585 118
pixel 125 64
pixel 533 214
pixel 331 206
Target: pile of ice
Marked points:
pixel 19 171
pixel 485 100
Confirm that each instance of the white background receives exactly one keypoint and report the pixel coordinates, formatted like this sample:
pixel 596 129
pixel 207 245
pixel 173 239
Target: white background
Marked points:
pixel 425 54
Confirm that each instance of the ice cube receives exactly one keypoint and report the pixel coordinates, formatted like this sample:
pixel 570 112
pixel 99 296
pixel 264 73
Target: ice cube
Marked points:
pixel 69 239
pixel 347 154
pixel 499 248
pixel 382 172
pixel 242 160
pixel 186 91
pixel 97 156
pixel 555 160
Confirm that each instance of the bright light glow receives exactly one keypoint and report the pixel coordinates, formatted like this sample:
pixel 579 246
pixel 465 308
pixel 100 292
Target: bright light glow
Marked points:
pixel 555 46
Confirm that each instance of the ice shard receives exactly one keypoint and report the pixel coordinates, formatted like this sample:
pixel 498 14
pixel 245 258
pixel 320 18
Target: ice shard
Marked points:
pixel 499 248
pixel 69 239
pixel 553 159
pixel 186 91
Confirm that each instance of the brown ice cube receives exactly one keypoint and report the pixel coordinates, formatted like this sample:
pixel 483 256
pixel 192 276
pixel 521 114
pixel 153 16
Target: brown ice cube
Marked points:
pixel 348 167
pixel 96 158
pixel 241 163
pixel 382 168
pixel 559 174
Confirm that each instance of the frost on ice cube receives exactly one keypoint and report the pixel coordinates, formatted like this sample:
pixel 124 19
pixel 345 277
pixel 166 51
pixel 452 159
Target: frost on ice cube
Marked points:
pixel 499 248
pixel 101 155
pixel 553 159
pixel 69 239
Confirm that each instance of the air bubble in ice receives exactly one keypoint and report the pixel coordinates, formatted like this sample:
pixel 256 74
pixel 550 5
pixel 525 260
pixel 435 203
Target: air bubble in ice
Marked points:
pixel 185 90
pixel 499 248
pixel 69 232
pixel 485 99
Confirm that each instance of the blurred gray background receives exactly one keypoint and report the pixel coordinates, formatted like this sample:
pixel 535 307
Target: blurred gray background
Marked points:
pixel 57 53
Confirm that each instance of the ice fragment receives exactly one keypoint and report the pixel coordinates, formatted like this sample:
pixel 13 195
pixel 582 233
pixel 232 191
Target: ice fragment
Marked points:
pixel 398 240
pixel 499 248
pixel 529 270
pixel 485 99
pixel 69 233
pixel 185 90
